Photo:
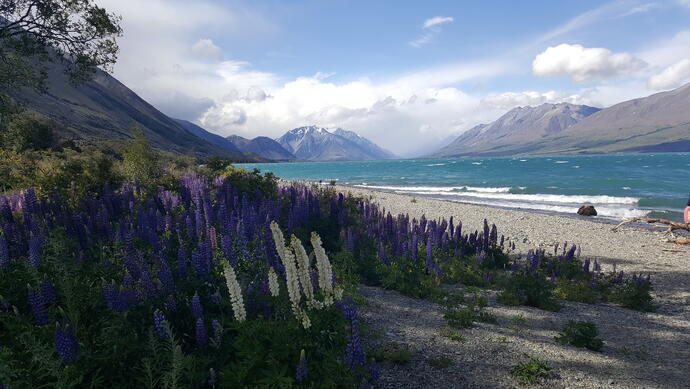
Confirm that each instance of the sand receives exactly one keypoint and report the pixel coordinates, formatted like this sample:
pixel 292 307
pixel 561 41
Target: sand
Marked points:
pixel 642 350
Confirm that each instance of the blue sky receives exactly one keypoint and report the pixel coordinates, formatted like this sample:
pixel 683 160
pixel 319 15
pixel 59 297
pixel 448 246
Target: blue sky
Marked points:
pixel 405 74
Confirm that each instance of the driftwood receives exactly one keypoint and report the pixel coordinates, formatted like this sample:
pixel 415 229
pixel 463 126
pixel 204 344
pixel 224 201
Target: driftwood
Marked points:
pixel 668 225
pixel 680 241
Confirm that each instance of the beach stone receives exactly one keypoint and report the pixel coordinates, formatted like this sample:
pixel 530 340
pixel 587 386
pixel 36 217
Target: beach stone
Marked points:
pixel 587 210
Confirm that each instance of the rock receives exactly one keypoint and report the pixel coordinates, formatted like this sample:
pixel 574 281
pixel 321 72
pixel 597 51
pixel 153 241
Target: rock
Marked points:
pixel 587 210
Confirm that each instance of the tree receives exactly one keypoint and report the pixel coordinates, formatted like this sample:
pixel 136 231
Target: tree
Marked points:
pixel 28 131
pixel 33 33
pixel 140 164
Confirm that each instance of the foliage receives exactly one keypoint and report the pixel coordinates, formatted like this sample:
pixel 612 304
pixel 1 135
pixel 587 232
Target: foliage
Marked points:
pixel 531 371
pixel 28 131
pixel 140 164
pixel 633 293
pixel 528 288
pixel 252 182
pixel 390 352
pixel 581 334
pixel 472 312
pixel 78 33
pixel 452 334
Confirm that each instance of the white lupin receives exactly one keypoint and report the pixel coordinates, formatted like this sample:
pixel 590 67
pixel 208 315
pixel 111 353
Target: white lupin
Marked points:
pixel 288 260
pixel 323 266
pixel 235 292
pixel 273 285
pixel 303 268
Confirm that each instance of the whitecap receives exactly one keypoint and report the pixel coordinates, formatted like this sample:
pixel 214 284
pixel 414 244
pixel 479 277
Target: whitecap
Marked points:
pixel 562 161
pixel 476 163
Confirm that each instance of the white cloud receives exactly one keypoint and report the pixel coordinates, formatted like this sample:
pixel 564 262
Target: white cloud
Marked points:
pixel 584 64
pixel 671 77
pixel 684 3
pixel 206 49
pixel 510 100
pixel 432 27
pixel 437 21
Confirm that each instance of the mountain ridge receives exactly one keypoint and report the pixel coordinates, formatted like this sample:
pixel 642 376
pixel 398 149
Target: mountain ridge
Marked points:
pixel 313 143
pixel 655 123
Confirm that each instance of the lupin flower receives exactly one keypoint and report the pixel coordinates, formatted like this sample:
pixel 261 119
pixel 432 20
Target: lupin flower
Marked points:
pixel 160 324
pixel 200 332
pixel 34 256
pixel 323 266
pixel 48 291
pixel 4 253
pixel 235 292
pixel 273 284
pixel 197 308
pixel 66 344
pixel 303 268
pixel 354 351
pixel 291 277
pixel 217 334
pixel 38 306
pixel 302 371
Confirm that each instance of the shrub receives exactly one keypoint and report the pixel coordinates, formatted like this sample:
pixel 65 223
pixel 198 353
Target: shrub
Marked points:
pixel 465 317
pixel 581 291
pixel 390 352
pixel 452 334
pixel 580 334
pixel 29 131
pixel 634 294
pixel 528 288
pixel 532 371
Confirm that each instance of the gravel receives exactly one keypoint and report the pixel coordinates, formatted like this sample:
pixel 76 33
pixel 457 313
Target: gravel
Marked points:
pixel 641 350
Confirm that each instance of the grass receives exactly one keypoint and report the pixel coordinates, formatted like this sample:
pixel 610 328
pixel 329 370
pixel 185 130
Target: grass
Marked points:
pixel 580 334
pixel 392 353
pixel 531 371
pixel 452 334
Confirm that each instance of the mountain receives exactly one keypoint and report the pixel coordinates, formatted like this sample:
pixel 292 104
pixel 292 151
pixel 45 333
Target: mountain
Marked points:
pixel 656 123
pixel 208 136
pixel 520 131
pixel 262 146
pixel 104 109
pixel 314 143
pixel 365 144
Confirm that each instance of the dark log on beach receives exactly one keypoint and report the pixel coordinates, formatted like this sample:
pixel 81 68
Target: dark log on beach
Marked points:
pixel 665 224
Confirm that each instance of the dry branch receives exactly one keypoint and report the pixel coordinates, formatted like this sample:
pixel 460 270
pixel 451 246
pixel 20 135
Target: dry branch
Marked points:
pixel 665 224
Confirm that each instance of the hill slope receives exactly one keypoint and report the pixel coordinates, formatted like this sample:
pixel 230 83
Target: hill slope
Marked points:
pixel 262 146
pixel 314 143
pixel 105 109
pixel 656 123
pixel 519 131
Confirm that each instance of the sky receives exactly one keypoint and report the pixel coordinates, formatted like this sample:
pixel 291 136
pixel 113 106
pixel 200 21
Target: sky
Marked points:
pixel 406 75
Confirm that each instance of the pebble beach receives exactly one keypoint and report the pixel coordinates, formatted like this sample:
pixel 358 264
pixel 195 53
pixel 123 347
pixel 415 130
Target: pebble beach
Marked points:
pixel 642 350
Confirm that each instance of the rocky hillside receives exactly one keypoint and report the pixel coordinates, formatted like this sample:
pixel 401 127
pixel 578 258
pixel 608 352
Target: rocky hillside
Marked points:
pixel 105 109
pixel 314 143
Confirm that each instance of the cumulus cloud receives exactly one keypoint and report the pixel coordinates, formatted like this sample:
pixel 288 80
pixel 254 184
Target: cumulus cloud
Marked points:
pixel 206 49
pixel 584 64
pixel 510 100
pixel 431 27
pixel 671 77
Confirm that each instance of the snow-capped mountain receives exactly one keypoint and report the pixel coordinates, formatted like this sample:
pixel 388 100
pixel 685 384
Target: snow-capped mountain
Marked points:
pixel 313 143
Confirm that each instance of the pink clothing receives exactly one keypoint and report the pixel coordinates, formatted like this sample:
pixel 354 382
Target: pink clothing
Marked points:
pixel 687 214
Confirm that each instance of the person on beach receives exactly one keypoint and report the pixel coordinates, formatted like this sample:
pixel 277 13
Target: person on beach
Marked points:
pixel 686 214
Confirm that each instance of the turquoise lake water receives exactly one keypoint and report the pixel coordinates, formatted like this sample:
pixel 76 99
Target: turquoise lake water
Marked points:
pixel 619 185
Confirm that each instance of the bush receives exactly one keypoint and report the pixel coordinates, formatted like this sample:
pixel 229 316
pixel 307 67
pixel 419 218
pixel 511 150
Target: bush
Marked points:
pixel 528 288
pixel 633 294
pixel 29 131
pixel 390 352
pixel 580 334
pixel 532 371
pixel 465 317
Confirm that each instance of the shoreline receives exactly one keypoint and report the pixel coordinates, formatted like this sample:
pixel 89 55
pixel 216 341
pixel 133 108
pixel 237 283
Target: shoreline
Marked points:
pixel 632 339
